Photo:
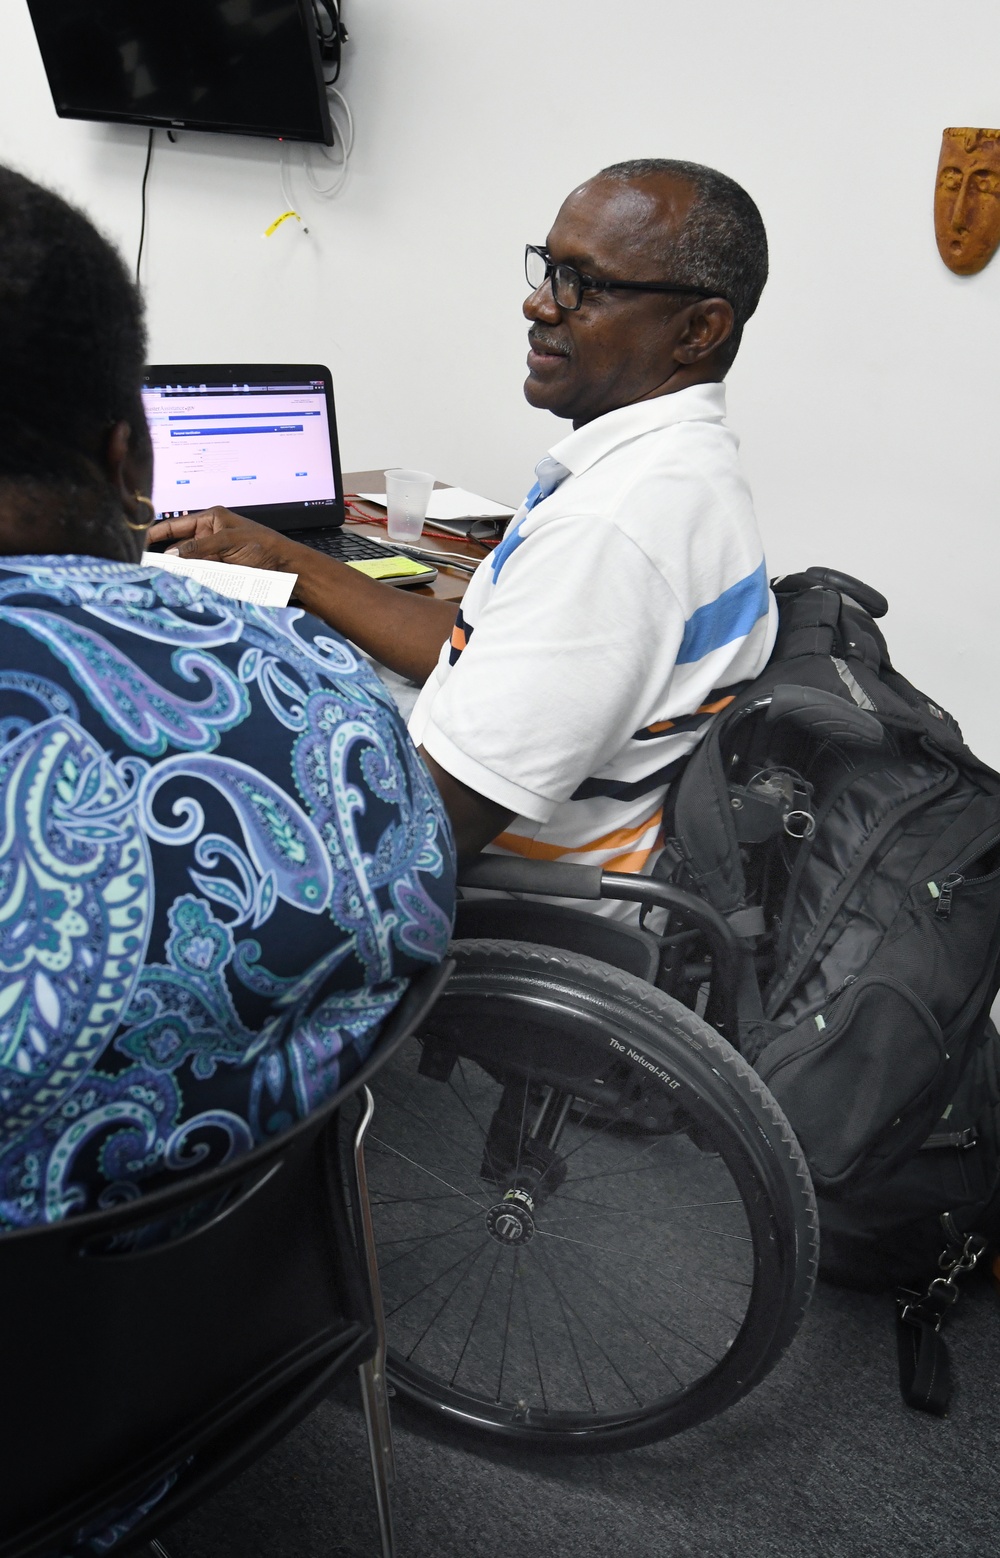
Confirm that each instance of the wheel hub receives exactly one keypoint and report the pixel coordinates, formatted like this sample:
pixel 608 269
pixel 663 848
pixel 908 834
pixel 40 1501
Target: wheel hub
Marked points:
pixel 511 1220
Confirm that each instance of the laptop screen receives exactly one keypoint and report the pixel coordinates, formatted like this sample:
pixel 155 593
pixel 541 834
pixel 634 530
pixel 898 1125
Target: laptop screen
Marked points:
pixel 264 444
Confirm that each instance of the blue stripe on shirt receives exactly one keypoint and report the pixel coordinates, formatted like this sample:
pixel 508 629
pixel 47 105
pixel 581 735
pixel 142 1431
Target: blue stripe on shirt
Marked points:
pixel 731 616
pixel 510 543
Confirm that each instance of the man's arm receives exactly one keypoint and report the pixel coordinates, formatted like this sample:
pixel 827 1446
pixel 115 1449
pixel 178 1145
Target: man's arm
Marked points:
pixel 402 630
pixel 475 820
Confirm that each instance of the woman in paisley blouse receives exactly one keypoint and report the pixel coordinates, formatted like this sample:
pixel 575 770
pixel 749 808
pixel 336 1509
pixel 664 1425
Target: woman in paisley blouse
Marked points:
pixel 221 859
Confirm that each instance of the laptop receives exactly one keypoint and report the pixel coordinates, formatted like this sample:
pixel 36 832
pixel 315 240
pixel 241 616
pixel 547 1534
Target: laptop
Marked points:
pixel 260 439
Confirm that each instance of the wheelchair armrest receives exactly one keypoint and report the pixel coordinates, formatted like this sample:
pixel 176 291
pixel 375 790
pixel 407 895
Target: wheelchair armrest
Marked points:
pixel 548 878
pixel 509 874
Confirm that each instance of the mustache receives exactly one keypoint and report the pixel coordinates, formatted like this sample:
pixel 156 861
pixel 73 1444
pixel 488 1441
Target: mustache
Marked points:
pixel 547 343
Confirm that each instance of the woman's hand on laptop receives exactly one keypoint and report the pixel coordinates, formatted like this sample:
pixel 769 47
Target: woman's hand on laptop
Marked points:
pixel 226 537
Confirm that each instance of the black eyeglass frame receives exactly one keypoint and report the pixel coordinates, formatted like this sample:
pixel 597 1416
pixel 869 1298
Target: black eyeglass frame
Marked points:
pixel 591 284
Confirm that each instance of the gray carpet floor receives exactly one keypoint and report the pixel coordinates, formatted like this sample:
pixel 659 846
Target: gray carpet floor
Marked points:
pixel 821 1459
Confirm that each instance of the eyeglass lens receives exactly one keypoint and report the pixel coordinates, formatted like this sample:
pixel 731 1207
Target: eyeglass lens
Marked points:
pixel 565 280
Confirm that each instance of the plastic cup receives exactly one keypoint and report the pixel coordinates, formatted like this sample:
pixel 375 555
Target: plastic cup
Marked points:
pixel 407 494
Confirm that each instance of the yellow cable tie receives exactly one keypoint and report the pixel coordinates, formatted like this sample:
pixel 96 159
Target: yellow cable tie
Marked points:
pixel 268 231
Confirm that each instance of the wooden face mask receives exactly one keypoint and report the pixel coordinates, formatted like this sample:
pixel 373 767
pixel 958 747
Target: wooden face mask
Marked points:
pixel 967 199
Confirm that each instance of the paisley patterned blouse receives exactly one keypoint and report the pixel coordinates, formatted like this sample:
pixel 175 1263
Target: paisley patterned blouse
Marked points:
pixel 220 861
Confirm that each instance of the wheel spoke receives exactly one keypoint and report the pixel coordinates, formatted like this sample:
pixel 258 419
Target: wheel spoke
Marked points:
pixel 524 1116
pixel 479 1310
pixel 630 1211
pixel 424 1170
pixel 413 1200
pixel 534 1347
pixel 418 1114
pixel 469 1255
pixel 464 1102
pixel 569 1333
pixel 644 1339
pixel 419 1240
pixel 462 1277
pixel 506 1325
pixel 609 1360
pixel 629 1259
pixel 585 1271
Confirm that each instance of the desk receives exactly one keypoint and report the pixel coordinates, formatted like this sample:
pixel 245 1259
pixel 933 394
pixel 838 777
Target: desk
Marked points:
pixel 447 586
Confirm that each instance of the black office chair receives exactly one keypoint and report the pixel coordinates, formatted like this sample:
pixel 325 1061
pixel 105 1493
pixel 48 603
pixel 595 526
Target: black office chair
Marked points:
pixel 177 1337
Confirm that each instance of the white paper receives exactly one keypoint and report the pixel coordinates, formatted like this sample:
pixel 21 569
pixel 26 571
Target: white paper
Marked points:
pixel 453 503
pixel 259 586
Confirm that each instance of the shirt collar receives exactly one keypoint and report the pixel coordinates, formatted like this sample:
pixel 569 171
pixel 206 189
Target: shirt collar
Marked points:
pixel 588 444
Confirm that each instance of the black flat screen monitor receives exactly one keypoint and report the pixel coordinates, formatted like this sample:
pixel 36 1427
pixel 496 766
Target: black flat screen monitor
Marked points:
pixel 246 67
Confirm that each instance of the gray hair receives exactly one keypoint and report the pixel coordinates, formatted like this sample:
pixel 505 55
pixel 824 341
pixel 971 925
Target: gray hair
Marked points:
pixel 722 246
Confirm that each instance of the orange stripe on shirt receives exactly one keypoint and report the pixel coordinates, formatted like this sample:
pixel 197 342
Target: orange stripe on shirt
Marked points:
pixel 634 862
pixel 659 726
pixel 458 638
pixel 536 849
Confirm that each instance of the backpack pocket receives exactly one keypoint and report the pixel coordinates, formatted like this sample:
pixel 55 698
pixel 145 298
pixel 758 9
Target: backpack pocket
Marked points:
pixel 853 1078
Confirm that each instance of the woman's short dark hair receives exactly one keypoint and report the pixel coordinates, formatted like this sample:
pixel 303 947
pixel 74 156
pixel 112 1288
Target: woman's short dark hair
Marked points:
pixel 72 343
pixel 722 245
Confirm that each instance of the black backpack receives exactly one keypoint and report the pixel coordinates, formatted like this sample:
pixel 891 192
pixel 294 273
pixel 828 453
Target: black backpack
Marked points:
pixel 835 816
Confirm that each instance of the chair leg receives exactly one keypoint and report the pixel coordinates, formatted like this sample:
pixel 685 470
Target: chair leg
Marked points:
pixel 372 1374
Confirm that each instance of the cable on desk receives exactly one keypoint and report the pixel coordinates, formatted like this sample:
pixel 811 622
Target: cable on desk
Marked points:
pixel 358 516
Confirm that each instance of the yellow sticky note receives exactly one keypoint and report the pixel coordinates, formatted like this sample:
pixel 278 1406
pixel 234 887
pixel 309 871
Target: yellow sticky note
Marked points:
pixel 387 567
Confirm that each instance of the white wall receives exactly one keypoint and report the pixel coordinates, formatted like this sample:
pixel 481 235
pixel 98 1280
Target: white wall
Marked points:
pixel 865 392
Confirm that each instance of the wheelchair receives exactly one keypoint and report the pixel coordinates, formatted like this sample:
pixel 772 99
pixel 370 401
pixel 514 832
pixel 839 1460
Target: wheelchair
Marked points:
pixel 595 1226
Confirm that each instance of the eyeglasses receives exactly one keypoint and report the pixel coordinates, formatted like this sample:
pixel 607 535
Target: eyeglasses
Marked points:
pixel 568 285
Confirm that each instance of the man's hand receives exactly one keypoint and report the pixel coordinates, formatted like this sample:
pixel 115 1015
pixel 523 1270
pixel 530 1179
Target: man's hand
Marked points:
pixel 226 537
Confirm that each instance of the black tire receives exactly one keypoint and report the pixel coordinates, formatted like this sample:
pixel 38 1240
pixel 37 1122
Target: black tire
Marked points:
pixel 603 1323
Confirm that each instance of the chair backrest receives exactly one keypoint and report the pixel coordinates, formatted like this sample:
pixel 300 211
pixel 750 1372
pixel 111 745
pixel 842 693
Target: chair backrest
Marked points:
pixel 139 1338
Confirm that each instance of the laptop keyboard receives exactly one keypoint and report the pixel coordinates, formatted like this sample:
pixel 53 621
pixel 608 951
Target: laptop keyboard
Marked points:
pixel 347 547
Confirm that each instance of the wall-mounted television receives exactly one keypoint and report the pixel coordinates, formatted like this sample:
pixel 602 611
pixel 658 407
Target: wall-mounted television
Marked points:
pixel 243 67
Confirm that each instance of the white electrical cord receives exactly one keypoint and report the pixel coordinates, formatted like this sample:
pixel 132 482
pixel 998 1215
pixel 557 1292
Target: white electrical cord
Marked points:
pixel 283 176
pixel 346 140
pixel 344 145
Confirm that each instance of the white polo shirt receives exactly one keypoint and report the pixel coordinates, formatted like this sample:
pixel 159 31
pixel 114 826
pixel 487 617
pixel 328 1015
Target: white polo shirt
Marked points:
pixel 596 643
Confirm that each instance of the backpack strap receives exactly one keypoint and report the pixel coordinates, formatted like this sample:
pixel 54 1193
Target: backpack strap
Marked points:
pixel 924 1366
pixel 808 618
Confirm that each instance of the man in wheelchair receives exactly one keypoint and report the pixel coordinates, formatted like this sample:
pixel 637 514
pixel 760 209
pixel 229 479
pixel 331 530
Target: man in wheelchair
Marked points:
pixel 630 592
pixel 598 1223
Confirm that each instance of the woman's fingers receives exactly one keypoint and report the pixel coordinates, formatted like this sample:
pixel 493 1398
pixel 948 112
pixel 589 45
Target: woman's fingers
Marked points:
pixel 223 536
pixel 205 523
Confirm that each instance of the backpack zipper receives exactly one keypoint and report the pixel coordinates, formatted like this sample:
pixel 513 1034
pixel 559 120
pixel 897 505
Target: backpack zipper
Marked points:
pixel 944 892
pixel 960 1139
pixel 780 993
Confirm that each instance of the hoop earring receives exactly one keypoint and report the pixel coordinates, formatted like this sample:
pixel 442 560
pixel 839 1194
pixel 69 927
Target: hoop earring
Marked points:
pixel 149 504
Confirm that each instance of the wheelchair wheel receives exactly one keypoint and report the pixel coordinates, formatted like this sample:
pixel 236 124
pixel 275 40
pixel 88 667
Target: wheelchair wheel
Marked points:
pixel 595 1226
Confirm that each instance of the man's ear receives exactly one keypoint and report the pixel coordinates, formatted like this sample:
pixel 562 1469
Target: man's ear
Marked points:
pixel 709 325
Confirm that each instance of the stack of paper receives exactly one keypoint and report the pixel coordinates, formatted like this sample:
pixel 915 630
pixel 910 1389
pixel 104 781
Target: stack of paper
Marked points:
pixel 259 586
